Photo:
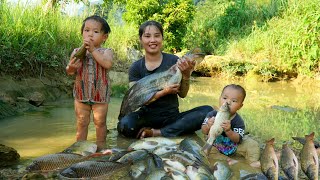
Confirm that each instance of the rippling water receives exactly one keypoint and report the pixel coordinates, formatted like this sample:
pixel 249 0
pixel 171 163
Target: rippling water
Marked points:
pixel 279 110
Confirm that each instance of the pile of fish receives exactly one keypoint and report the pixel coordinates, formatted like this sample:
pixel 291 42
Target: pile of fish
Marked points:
pixel 309 160
pixel 165 158
pixel 148 158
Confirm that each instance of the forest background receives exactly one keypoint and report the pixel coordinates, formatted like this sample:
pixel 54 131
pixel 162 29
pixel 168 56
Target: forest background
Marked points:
pixel 272 39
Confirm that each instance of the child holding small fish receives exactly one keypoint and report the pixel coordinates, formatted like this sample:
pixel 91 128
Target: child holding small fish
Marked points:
pixel 90 64
pixel 232 138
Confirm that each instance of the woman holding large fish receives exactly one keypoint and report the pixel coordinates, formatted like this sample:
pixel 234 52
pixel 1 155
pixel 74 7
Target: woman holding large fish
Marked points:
pixel 159 113
pixel 225 127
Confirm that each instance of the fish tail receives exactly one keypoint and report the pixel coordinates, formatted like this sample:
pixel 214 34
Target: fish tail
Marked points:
pixel 207 148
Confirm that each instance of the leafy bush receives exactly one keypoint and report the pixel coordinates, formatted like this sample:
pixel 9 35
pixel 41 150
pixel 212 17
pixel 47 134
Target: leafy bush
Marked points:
pixel 174 16
pixel 32 40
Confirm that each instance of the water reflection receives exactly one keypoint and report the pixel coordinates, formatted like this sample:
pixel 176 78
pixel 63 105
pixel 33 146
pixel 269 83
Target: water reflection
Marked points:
pixel 52 128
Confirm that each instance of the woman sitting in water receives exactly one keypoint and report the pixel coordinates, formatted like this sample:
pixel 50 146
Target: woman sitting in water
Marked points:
pixel 160 116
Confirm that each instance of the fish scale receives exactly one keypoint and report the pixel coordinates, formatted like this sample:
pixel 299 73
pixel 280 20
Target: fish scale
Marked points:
pixel 309 158
pixel 53 162
pixel 92 169
pixel 289 162
pixel 269 161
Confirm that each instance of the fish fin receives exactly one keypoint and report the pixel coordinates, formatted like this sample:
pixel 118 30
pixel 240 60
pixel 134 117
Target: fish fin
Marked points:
pixel 149 98
pixel 207 148
pixel 311 172
pixel 290 172
pixel 93 155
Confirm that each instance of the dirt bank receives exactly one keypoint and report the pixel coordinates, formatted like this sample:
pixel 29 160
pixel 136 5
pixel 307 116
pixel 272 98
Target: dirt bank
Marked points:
pixel 25 94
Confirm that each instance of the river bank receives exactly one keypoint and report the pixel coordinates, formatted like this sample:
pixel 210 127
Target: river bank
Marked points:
pixel 27 94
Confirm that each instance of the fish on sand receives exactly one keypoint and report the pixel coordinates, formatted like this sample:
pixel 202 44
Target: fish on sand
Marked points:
pixel 289 162
pixel 216 129
pixel 52 162
pixel 151 143
pixel 82 147
pixel 269 161
pixel 309 158
pixel 92 169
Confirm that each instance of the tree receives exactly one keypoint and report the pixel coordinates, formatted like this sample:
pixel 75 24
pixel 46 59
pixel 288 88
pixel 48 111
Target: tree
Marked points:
pixel 173 14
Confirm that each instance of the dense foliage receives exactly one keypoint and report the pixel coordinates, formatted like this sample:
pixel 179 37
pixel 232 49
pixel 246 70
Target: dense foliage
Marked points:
pixel 174 16
pixel 269 38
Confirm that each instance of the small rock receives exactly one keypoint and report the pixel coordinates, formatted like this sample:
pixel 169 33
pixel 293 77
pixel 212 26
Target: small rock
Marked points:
pixel 8 156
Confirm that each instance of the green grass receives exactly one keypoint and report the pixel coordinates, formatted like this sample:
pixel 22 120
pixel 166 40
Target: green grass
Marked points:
pixel 274 39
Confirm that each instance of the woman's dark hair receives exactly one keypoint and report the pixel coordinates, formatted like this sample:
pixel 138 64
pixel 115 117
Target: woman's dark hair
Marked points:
pixel 237 87
pixel 150 23
pixel 105 26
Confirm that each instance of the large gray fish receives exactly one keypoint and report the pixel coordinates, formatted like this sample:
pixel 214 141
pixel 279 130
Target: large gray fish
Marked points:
pixel 92 169
pixel 269 161
pixel 82 147
pixel 144 89
pixel 194 148
pixel 222 171
pixel 133 156
pixel 309 158
pixel 151 143
pixel 142 168
pixel 289 162
pixel 54 162
pixel 216 129
pixel 199 172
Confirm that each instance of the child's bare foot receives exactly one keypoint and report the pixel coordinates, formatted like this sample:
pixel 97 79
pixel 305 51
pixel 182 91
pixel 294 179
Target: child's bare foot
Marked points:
pixel 231 161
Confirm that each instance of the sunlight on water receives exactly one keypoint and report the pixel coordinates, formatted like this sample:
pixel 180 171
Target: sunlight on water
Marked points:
pixel 278 110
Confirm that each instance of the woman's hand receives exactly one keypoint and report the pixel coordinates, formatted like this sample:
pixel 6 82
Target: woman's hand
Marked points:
pixel 171 89
pixel 186 67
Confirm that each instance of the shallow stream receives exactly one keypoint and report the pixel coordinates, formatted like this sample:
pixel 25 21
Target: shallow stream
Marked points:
pixel 277 110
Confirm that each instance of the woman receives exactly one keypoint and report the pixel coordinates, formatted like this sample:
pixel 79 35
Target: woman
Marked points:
pixel 160 116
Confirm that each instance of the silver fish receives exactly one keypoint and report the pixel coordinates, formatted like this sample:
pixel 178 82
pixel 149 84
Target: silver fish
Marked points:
pixel 133 156
pixel 144 89
pixel 269 161
pixel 289 162
pixel 222 171
pixel 82 147
pixel 309 158
pixel 194 148
pixel 161 150
pixel 216 129
pixel 151 143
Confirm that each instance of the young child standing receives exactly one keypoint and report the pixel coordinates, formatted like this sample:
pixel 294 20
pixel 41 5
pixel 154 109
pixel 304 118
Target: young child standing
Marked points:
pixel 232 138
pixel 92 85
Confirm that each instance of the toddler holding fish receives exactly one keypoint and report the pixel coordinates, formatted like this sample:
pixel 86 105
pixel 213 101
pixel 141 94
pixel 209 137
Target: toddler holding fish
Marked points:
pixel 90 64
pixel 232 138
